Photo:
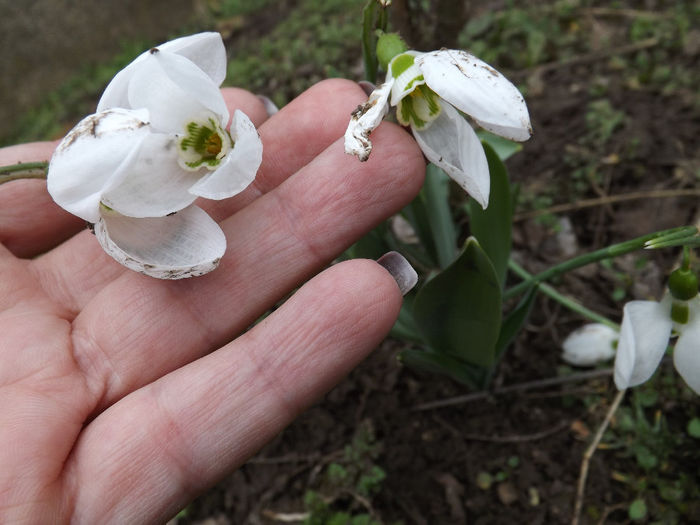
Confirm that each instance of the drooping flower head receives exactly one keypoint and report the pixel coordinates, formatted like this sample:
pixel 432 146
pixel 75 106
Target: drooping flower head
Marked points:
pixel 429 90
pixel 647 327
pixel 158 141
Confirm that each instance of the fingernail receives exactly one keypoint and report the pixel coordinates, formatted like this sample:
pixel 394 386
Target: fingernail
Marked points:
pixel 367 87
pixel 270 106
pixel 400 269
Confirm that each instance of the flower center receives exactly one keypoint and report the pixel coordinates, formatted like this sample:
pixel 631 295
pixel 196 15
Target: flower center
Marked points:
pixel 206 143
pixel 419 109
pixel 416 104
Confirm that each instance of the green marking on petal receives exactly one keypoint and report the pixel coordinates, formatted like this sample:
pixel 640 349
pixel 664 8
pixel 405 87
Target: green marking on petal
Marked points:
pixel 401 63
pixel 680 312
pixel 205 143
pixel 419 108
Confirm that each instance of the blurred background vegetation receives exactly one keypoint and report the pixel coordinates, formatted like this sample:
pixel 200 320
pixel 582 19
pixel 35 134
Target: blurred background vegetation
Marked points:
pixel 58 54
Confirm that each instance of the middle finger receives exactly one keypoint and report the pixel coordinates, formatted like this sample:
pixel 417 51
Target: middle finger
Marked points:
pixel 137 328
pixel 74 272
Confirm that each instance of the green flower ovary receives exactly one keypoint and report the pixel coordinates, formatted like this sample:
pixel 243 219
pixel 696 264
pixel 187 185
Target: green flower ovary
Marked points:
pixel 680 312
pixel 205 144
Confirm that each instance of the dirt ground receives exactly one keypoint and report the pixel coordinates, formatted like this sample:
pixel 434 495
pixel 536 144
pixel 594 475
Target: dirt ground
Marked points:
pixel 515 456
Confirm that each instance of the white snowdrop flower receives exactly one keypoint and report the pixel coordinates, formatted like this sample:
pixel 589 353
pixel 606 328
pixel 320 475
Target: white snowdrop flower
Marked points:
pixel 427 90
pixel 159 140
pixel 644 337
pixel 589 345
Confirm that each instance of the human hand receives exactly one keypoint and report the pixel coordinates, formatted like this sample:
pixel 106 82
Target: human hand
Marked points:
pixel 122 396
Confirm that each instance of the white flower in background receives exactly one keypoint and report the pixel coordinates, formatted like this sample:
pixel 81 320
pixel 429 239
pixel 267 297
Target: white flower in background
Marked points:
pixel 589 345
pixel 644 336
pixel 158 141
pixel 427 90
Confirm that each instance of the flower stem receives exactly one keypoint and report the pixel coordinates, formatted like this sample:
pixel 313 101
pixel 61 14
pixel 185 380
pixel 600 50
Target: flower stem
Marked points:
pixel 609 252
pixel 369 39
pixel 23 170
pixel 562 299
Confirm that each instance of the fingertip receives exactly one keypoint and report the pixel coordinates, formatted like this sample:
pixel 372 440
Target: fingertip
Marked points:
pixel 400 270
pixel 30 152
pixel 247 102
pixel 367 293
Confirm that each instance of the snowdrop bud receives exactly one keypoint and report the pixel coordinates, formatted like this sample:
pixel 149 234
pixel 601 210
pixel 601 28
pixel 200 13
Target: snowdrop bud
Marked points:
pixel 388 46
pixel 590 345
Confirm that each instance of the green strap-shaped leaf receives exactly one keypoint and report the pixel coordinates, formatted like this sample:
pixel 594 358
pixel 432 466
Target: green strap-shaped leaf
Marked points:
pixel 514 321
pixel 431 217
pixel 434 363
pixel 405 327
pixel 372 246
pixel 459 310
pixel 435 195
pixel 492 226
pixel 504 148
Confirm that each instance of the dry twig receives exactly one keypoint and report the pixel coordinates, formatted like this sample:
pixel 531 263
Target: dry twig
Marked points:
pixel 519 387
pixel 610 199
pixel 581 487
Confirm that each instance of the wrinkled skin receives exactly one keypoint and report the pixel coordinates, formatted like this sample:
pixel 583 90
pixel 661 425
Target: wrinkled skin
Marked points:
pixel 121 396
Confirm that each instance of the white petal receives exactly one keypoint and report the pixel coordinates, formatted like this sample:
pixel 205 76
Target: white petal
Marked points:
pixel 477 89
pixel 174 91
pixel 206 50
pixel 686 355
pixel 646 328
pixel 451 144
pixel 239 167
pixel 186 244
pixel 589 345
pixel 155 184
pixel 365 119
pixel 92 156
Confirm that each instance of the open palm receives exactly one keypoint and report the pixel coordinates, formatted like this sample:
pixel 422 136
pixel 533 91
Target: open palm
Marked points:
pixel 121 396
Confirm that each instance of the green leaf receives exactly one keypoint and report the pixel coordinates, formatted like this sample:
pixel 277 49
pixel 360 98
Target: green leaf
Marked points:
pixel 416 215
pixel 645 457
pixel 637 510
pixel 434 363
pixel 492 226
pixel 405 327
pixel 504 148
pixel 459 310
pixel 372 246
pixel 515 320
pixel 435 195
pixel 430 216
pixel 694 427
pixel 484 480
